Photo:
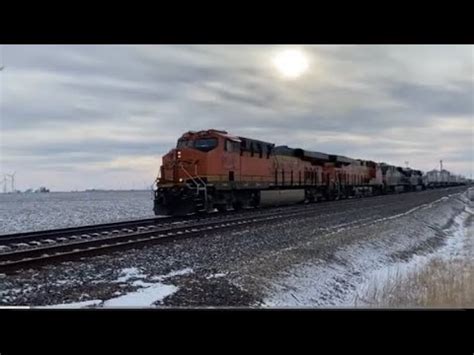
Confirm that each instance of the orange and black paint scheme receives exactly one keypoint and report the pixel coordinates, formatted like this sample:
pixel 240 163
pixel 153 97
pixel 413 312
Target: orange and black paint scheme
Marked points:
pixel 213 169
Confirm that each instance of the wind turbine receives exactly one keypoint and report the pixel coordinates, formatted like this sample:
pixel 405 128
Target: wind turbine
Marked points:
pixel 4 184
pixel 12 177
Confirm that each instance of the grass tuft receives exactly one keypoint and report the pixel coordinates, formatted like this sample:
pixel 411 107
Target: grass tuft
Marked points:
pixel 440 283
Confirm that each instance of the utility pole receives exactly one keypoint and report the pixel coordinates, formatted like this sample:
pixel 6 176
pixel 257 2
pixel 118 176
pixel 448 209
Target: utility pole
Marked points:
pixel 440 165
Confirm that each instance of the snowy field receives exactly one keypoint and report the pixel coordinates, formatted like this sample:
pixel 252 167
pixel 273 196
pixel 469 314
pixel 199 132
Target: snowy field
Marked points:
pixel 39 211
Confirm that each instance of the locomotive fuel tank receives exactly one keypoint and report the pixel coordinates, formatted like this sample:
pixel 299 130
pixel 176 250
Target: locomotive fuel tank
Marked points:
pixel 281 197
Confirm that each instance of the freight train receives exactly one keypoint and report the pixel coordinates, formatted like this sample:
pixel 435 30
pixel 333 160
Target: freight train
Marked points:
pixel 213 169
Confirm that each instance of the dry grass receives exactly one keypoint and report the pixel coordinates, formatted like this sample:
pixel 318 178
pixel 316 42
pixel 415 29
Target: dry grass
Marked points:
pixel 440 283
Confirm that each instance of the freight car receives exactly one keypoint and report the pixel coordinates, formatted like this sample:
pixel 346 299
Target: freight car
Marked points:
pixel 213 169
pixel 442 178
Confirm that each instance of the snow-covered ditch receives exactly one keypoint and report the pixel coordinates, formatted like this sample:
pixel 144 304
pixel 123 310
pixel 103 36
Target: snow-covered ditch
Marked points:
pixel 459 246
pixel 355 267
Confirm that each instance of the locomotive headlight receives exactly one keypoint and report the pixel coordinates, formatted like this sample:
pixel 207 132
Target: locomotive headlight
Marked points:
pixel 181 180
pixel 178 154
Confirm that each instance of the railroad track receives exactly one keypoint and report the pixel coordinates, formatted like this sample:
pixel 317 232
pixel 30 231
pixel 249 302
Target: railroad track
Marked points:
pixel 14 256
pixel 87 231
pixel 33 248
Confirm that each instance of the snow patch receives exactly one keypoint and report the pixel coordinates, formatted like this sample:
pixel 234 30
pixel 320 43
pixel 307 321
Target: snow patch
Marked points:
pixel 144 297
pixel 130 273
pixel 75 304
pixel 172 274
pixel 62 282
pixel 149 292
pixel 215 276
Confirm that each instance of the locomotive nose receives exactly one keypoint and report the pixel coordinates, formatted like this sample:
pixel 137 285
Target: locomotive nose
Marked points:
pixel 178 165
pixel 173 154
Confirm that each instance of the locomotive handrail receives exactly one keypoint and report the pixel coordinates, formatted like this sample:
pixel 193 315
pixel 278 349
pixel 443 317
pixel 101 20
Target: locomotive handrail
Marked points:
pixel 198 186
pixel 188 174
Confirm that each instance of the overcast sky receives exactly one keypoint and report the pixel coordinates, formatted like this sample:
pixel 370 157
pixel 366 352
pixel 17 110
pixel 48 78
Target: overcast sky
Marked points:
pixel 77 117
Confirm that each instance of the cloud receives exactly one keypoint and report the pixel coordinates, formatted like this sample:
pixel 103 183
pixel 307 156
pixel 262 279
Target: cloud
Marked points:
pixel 84 116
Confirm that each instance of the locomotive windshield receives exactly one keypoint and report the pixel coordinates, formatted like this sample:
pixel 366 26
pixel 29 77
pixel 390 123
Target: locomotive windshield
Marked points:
pixel 202 144
pixel 205 144
pixel 184 143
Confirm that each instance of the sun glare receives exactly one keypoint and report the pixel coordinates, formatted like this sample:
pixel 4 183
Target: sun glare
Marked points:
pixel 291 63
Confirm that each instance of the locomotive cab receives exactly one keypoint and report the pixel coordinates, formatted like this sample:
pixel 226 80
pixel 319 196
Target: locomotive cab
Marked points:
pixel 189 171
pixel 206 155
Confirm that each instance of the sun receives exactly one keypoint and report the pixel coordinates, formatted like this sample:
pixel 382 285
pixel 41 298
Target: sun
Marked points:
pixel 291 63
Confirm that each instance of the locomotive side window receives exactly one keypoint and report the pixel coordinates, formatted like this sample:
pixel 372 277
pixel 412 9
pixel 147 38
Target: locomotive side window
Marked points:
pixel 242 147
pixel 231 146
pixel 205 144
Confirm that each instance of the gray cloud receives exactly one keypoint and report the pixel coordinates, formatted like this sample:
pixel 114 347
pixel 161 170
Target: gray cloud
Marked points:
pixel 438 100
pixel 92 115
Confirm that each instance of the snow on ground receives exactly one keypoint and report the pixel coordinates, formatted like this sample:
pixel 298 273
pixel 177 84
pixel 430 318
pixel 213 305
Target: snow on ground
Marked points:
pixel 323 260
pixel 149 293
pixel 354 267
pixel 146 294
pixel 144 297
pixel 184 271
pixel 458 244
pixel 39 211
pixel 83 304
pixel 130 273
pixel 216 276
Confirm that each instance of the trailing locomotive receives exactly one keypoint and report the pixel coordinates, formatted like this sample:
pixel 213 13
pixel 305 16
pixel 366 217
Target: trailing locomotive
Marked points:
pixel 213 169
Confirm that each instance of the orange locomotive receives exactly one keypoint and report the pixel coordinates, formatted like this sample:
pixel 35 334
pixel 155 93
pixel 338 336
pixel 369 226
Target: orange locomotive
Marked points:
pixel 213 169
